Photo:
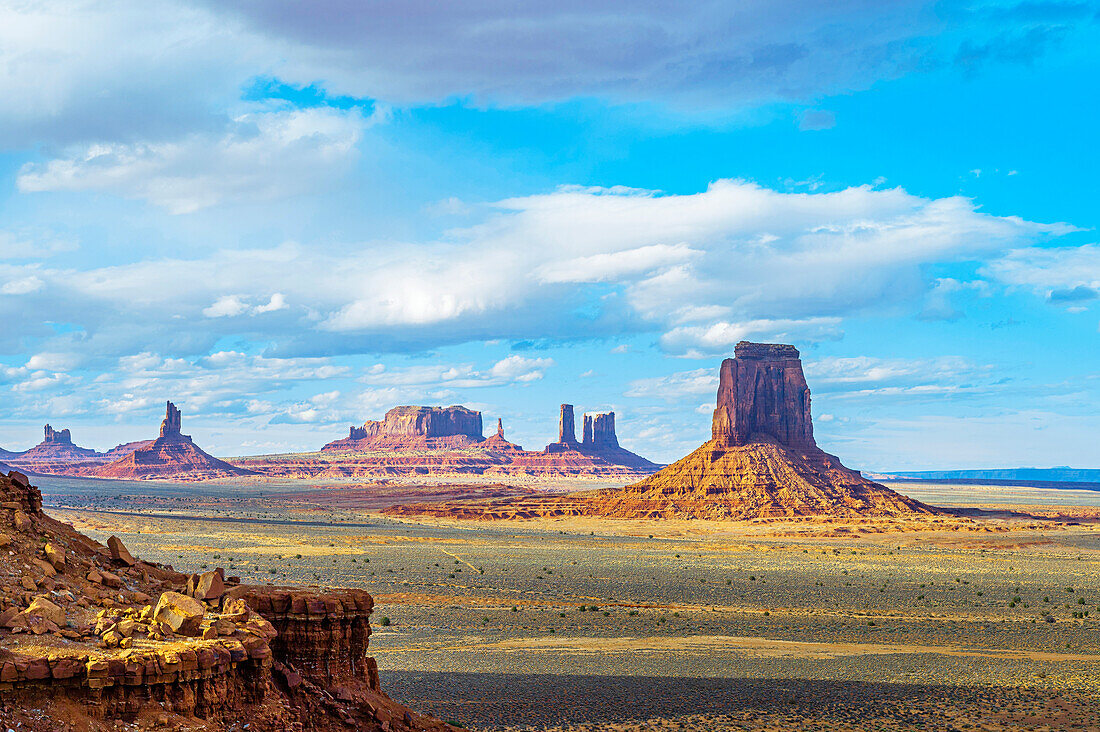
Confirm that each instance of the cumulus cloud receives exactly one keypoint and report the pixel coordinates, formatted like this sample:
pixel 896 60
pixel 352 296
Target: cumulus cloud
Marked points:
pixel 225 307
pixel 21 285
pixel 228 306
pixel 510 370
pixel 701 270
pixel 1064 275
pixel 262 156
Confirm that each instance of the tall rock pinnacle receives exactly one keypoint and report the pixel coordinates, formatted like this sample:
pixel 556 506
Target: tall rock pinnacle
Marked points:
pixel 762 391
pixel 170 426
pixel 500 428
pixel 567 426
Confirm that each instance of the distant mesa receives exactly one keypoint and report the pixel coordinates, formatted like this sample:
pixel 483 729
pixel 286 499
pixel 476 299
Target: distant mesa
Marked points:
pixel 410 426
pixel 761 462
pixel 56 446
pixel 172 455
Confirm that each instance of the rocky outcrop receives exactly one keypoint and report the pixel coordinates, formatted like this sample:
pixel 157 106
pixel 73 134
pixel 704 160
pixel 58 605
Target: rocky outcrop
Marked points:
pixel 762 462
pixel 172 455
pixel 599 431
pixel 56 446
pixel 598 453
pixel 99 642
pixel 498 444
pixel 567 435
pixel 411 426
pixel 762 394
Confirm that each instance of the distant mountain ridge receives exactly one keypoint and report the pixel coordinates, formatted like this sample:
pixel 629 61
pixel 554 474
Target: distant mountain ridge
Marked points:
pixel 1061 474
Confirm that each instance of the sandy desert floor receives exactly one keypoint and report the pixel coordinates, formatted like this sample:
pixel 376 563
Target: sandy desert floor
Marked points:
pixel 988 622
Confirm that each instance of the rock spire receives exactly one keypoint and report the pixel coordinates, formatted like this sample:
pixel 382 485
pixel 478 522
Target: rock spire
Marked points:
pixel 567 434
pixel 170 426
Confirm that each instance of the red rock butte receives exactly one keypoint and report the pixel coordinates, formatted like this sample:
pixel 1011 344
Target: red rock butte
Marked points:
pixel 411 426
pixel 172 455
pixel 56 445
pixel 761 462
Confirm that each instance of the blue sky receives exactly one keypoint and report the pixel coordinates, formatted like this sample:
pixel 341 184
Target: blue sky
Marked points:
pixel 289 219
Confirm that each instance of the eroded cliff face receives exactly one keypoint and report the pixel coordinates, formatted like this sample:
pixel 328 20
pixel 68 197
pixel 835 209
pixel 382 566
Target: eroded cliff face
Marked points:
pixel 598 452
pixel 762 393
pixel 410 426
pixel 599 431
pixel 91 636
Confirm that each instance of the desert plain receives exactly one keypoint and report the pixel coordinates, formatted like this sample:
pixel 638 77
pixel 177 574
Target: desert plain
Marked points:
pixel 984 619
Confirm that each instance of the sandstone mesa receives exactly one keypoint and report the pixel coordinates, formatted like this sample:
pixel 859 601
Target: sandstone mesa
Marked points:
pixel 761 462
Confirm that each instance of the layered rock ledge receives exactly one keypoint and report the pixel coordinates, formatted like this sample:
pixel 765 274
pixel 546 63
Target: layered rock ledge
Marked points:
pixel 91 636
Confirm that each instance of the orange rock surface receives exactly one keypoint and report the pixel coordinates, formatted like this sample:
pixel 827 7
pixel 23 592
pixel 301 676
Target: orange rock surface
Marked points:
pixel 97 642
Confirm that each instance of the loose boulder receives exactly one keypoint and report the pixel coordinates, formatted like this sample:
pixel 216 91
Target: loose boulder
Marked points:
pixel 119 552
pixel 55 556
pixel 181 613
pixel 208 585
pixel 47 610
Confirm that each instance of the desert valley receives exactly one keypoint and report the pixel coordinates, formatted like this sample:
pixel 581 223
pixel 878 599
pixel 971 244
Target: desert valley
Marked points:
pixel 757 583
pixel 501 366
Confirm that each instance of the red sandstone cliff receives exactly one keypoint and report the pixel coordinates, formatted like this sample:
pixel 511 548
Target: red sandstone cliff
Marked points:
pixel 91 638
pixel 172 455
pixel 762 461
pixel 411 426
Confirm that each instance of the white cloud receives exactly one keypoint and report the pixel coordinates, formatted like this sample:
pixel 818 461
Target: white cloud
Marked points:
pixel 225 307
pixel 275 302
pixel 675 387
pixel 53 361
pixel 700 270
pixel 618 265
pixel 1044 270
pixel 513 369
pixel 698 341
pixel 21 285
pixel 263 155
pixel 862 376
pixel 228 306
